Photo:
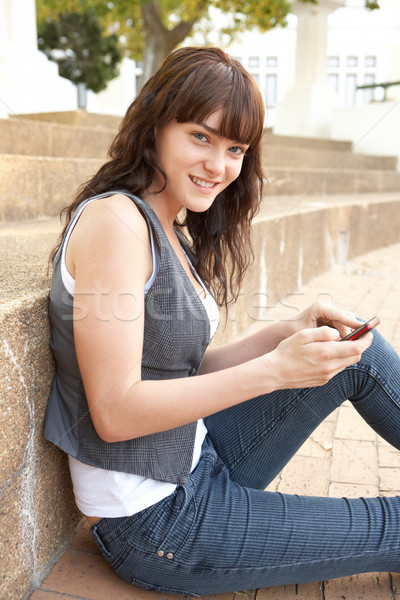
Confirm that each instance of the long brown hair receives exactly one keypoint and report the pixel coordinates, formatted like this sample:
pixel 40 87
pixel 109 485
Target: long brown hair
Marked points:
pixel 190 85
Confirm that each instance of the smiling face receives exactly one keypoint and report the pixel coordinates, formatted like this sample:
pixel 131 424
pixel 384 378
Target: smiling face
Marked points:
pixel 198 163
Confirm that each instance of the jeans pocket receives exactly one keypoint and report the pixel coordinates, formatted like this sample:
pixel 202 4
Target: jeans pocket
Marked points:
pixel 168 525
pixel 160 520
pixel 100 544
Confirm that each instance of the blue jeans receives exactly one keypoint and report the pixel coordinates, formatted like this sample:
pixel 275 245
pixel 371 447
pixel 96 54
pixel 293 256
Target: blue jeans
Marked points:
pixel 221 532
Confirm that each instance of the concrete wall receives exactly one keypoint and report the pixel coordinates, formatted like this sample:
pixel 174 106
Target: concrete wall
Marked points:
pixel 37 508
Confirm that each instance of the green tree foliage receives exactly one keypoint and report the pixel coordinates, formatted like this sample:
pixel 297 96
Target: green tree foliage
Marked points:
pixel 75 41
pixel 150 29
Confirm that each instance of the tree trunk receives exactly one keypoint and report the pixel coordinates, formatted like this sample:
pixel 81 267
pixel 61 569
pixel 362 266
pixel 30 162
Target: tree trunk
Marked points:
pixel 159 41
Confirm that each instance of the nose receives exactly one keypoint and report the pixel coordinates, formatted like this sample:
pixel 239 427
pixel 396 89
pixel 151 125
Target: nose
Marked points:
pixel 215 162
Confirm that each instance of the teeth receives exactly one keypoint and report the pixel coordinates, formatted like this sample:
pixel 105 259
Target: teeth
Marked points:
pixel 202 182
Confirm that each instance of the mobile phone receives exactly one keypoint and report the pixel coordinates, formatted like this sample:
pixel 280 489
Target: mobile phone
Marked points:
pixel 362 330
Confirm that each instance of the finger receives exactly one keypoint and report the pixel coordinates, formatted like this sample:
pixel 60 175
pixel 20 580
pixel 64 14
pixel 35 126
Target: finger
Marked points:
pixel 325 333
pixel 325 313
pixel 360 345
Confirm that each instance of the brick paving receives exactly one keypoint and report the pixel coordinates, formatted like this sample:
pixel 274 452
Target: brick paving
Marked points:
pixel 342 457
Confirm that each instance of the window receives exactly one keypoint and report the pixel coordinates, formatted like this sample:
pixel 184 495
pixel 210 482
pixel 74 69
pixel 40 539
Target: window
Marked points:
pixel 352 61
pixel 272 62
pixel 370 61
pixel 333 81
pixel 333 61
pixel 369 94
pixel 256 77
pixel 254 62
pixel 271 89
pixel 350 89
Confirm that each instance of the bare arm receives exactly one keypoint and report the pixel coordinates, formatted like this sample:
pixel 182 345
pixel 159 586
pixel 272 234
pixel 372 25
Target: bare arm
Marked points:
pixel 267 339
pixel 247 348
pixel 111 262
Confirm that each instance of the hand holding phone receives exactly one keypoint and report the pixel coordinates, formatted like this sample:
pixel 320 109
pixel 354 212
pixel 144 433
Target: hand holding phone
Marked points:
pixel 362 330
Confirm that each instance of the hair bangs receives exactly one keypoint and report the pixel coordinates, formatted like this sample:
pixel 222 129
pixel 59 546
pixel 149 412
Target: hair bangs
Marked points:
pixel 243 118
pixel 221 86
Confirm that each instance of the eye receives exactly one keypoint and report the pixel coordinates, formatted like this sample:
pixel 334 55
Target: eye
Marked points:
pixel 238 150
pixel 201 137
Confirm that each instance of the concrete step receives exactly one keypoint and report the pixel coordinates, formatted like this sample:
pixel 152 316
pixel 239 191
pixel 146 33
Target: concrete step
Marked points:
pixel 41 138
pixel 79 117
pixel 36 186
pixel 330 180
pixel 299 157
pixel 33 186
pixel 45 138
pixel 273 139
pixel 24 250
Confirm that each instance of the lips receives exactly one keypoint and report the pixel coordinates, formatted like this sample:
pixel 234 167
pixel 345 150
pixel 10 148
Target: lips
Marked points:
pixel 202 182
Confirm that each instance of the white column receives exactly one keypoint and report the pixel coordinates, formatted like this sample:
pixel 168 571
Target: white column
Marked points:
pixel 307 108
pixel 28 81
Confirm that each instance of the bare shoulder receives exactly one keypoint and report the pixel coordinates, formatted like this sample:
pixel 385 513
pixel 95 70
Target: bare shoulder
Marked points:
pixel 109 229
pixel 116 212
pixel 115 219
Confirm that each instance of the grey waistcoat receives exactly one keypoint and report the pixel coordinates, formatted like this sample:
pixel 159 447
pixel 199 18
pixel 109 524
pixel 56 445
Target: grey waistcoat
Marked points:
pixel 176 335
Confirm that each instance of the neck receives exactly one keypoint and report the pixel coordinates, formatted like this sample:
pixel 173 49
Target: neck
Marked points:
pixel 166 215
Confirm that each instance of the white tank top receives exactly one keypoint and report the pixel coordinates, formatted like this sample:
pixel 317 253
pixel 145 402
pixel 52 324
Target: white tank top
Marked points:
pixel 103 493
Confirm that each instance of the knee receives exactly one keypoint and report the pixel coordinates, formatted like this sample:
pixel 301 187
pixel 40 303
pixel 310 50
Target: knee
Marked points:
pixel 380 355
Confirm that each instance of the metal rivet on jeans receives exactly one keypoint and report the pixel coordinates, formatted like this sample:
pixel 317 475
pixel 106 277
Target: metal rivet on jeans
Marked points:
pixel 170 555
pixel 160 553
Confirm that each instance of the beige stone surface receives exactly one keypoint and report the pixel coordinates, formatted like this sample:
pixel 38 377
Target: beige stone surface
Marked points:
pixel 338 181
pixel 32 187
pixel 24 251
pixel 309 476
pixel 354 461
pixel 390 181
pixel 17 539
pixel 78 575
pixel 19 187
pixel 291 141
pixel 309 591
pixel 81 141
pixel 38 511
pixel 388 456
pixel 352 490
pixel 77 117
pixel 40 138
pixel 21 136
pixel 301 156
pixel 367 586
pixel 351 426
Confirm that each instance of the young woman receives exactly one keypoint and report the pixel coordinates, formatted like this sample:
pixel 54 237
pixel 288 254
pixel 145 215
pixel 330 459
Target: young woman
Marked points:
pixel 171 443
